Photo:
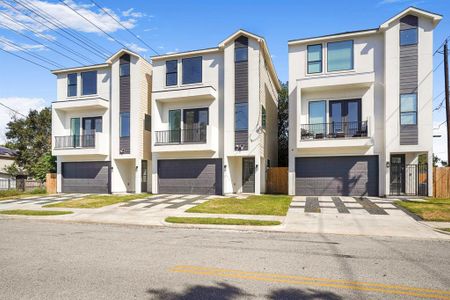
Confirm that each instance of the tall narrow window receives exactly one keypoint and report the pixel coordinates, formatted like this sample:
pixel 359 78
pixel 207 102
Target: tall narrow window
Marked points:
pixel 241 116
pixel 317 117
pixel 192 70
pixel 240 54
pixel 89 82
pixel 171 72
pixel 124 124
pixel 263 117
pixel 124 69
pixel 340 56
pixel 71 85
pixel 175 126
pixel 408 109
pixel 75 131
pixel 314 59
pixel 408 37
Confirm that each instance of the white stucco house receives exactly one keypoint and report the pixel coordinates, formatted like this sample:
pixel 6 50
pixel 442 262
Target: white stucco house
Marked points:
pixel 214 118
pixel 101 126
pixel 360 109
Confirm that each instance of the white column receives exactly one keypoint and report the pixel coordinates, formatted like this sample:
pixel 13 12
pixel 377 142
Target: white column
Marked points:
pixel 154 173
pixel 137 176
pixel 58 175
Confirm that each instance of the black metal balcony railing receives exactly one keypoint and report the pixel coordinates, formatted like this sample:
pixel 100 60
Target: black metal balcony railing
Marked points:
pixel 181 136
pixel 334 130
pixel 75 141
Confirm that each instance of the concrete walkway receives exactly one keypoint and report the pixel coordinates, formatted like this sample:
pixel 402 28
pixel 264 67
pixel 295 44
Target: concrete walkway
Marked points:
pixel 395 222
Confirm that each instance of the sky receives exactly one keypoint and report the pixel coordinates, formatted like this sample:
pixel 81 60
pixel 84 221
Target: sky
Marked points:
pixel 179 25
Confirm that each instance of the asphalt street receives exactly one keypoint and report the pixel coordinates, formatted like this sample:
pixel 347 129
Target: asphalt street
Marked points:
pixel 55 260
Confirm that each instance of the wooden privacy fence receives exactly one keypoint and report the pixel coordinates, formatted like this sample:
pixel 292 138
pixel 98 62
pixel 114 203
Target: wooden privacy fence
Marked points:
pixel 50 183
pixel 277 180
pixel 441 182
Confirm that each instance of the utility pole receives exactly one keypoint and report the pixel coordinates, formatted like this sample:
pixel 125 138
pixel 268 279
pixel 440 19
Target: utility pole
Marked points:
pixel 447 97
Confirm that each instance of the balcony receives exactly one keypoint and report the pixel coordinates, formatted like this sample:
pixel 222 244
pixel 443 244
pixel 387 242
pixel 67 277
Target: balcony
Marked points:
pixel 207 93
pixel 187 139
pixel 335 135
pixel 80 145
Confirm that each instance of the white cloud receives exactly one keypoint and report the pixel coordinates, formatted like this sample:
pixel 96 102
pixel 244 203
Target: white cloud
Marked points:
pixel 22 105
pixel 131 13
pixel 70 18
pixel 135 47
pixel 440 143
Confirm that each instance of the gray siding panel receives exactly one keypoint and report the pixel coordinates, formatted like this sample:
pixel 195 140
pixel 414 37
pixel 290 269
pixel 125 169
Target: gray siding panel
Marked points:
pixel 125 94
pixel 190 176
pixel 409 135
pixel 336 176
pixel 241 89
pixel 86 177
pixel 409 59
pixel 124 145
pixel 241 138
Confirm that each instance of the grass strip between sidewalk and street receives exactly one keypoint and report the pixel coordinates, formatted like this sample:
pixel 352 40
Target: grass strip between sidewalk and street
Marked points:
pixel 97 201
pixel 274 205
pixel 220 221
pixel 16 194
pixel 432 210
pixel 445 229
pixel 25 212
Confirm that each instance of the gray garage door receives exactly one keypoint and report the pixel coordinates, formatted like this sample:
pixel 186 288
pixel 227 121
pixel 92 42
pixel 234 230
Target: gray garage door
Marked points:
pixel 190 176
pixel 340 176
pixel 86 177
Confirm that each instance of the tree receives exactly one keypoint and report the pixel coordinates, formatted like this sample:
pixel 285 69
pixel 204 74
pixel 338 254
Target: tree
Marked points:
pixel 31 137
pixel 283 126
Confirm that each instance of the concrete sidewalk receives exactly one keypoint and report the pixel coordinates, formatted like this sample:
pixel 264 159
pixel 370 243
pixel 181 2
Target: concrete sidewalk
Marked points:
pixel 396 224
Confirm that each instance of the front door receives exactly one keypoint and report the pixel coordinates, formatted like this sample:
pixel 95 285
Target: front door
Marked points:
pixel 144 176
pixel 397 174
pixel 248 175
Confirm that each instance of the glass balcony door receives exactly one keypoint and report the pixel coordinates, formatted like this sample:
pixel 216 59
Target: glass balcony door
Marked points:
pixel 345 117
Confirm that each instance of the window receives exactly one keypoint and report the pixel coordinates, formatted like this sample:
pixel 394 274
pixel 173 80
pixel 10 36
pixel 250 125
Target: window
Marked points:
pixel 314 59
pixel 92 125
pixel 195 118
pixel 317 117
pixel 175 126
pixel 124 124
pixel 71 85
pixel 408 109
pixel 75 126
pixel 240 54
pixel 263 117
pixel 171 72
pixel 192 70
pixel 124 70
pixel 408 37
pixel 241 116
pixel 148 122
pixel 89 82
pixel 340 56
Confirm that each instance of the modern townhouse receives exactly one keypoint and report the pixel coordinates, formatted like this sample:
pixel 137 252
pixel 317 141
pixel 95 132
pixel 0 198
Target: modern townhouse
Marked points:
pixel 214 118
pixel 360 109
pixel 101 126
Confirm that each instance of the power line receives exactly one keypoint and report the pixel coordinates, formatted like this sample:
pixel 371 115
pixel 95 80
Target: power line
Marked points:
pixel 40 57
pixel 15 111
pixel 442 44
pixel 28 60
pixel 119 42
pixel 75 37
pixel 36 41
pixel 48 39
pixel 120 23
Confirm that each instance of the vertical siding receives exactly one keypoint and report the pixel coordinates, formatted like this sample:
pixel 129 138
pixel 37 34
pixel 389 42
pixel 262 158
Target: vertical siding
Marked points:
pixel 241 89
pixel 125 99
pixel 409 59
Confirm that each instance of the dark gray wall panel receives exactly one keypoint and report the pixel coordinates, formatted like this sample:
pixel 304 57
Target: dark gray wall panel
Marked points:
pixel 125 94
pixel 241 138
pixel 190 176
pixel 86 177
pixel 336 176
pixel 409 59
pixel 124 145
pixel 241 89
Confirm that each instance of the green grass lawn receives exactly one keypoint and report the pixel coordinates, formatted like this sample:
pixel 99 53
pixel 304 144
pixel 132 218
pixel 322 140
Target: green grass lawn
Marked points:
pixel 16 194
pixel 432 210
pixel 24 212
pixel 275 205
pixel 446 229
pixel 96 201
pixel 220 221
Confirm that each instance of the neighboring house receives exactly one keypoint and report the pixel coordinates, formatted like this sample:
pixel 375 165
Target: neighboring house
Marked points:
pixel 215 118
pixel 101 126
pixel 360 109
pixel 6 159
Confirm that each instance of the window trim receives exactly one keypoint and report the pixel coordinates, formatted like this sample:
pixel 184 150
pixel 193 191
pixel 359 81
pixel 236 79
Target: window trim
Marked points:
pixel 73 84
pixel 408 29
pixel 408 111
pixel 201 70
pixel 353 57
pixel 175 72
pixel 314 61
pixel 96 83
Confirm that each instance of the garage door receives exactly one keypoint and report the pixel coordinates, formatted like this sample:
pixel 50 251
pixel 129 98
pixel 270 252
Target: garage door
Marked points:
pixel 190 176
pixel 85 177
pixel 340 176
